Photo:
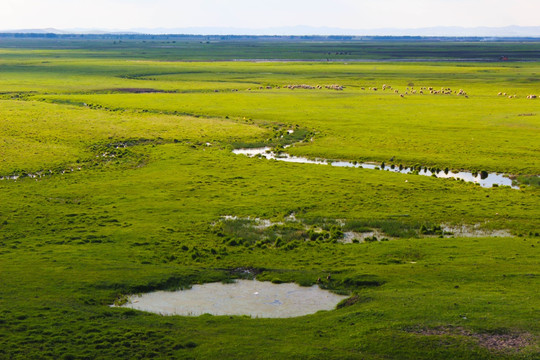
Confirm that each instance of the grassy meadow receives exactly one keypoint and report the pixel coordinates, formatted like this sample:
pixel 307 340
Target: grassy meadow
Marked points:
pixel 129 148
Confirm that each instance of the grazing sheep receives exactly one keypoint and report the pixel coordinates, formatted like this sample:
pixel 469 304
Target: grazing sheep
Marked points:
pixel 334 87
pixel 401 95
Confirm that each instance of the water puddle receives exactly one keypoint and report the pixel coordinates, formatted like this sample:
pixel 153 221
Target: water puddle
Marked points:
pixel 352 236
pixel 486 180
pixel 244 297
pixel 39 174
pixel 292 228
pixel 474 231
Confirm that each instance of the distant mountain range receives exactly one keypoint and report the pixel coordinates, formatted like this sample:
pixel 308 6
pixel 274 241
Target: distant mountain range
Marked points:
pixel 452 31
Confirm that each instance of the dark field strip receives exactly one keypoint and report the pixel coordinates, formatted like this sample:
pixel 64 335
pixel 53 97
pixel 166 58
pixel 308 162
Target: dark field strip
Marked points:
pixel 215 48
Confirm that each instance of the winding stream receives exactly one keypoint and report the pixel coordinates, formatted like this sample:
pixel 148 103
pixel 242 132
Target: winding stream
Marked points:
pixel 487 181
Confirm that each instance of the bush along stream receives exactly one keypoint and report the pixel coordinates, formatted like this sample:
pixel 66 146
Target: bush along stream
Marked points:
pixel 482 178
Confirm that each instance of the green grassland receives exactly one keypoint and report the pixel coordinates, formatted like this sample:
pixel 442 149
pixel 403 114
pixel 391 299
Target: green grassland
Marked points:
pixel 225 48
pixel 137 173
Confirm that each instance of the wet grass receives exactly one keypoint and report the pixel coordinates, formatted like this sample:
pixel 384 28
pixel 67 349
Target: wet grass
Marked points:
pixel 529 180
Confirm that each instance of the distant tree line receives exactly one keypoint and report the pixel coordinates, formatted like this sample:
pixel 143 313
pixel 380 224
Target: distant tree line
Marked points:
pixel 114 36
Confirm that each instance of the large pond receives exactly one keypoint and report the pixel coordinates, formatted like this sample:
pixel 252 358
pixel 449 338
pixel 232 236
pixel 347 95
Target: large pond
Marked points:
pixel 243 297
pixel 484 180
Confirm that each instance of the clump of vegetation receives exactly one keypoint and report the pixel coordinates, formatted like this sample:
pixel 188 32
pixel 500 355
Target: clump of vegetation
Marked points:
pixel 331 234
pixel 484 174
pixel 357 281
pixel 281 136
pixel 391 227
pixel 531 180
pixel 250 233
pixel 431 229
pixel 358 226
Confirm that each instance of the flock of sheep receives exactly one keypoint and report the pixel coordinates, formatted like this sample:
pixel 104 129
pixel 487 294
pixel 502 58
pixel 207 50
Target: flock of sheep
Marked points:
pixel 422 90
pixel 514 96
pixel 409 91
pixel 300 86
pixel 304 86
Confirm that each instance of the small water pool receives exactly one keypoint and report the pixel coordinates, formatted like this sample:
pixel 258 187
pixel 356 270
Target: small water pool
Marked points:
pixel 243 297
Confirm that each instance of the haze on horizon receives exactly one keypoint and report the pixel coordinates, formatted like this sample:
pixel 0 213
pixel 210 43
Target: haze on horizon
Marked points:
pixel 126 15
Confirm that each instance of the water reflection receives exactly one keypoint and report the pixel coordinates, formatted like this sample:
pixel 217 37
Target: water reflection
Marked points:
pixel 484 179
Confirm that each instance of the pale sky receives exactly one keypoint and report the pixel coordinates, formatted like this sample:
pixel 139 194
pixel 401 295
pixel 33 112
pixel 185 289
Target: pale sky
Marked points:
pixel 348 14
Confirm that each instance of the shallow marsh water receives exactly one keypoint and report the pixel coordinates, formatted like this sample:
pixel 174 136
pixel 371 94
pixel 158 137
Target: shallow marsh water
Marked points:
pixel 448 230
pixel 244 297
pixel 492 179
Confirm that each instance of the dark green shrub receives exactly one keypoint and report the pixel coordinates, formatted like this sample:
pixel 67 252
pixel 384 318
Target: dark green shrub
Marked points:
pixel 483 174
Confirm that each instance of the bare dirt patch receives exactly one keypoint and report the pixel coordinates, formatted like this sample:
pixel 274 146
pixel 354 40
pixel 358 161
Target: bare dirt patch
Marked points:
pixel 496 341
